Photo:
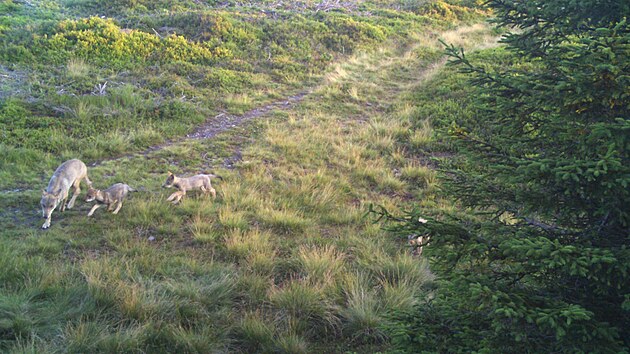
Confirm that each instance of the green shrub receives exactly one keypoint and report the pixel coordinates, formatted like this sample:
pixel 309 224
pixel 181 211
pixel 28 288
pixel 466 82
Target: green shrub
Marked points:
pixel 105 43
pixel 228 80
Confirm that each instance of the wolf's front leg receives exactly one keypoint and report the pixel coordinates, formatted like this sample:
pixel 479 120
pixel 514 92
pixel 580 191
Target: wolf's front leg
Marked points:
pixel 171 197
pixel 180 196
pixel 63 204
pixel 47 214
pixel 96 206
pixel 176 197
pixel 77 190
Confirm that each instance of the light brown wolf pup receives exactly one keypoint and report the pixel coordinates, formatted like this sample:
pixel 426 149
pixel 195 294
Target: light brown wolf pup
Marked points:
pixel 68 175
pixel 189 183
pixel 112 196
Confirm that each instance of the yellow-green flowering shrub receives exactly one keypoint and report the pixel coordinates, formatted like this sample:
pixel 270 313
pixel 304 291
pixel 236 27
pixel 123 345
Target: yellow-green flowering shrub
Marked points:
pixel 102 41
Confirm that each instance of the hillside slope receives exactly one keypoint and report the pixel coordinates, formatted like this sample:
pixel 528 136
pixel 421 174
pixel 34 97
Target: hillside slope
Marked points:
pixel 282 261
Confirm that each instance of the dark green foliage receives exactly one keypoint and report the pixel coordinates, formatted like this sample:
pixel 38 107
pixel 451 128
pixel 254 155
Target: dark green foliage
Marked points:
pixel 543 263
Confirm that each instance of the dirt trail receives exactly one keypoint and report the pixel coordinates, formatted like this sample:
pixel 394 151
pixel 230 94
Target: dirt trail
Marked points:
pixel 211 128
pixel 223 122
pixel 217 125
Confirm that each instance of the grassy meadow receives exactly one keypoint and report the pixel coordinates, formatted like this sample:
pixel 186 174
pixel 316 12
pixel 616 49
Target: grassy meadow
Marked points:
pixel 285 259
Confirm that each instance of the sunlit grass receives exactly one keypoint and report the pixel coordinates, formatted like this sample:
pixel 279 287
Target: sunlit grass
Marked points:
pixel 321 264
pixel 284 260
pixel 76 68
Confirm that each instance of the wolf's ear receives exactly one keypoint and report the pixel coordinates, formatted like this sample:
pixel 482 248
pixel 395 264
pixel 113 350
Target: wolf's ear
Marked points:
pixel 44 193
pixel 169 173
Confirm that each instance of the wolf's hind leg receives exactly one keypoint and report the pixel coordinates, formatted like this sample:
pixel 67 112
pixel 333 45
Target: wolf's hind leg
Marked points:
pixel 118 208
pixel 207 188
pixel 210 190
pixel 89 183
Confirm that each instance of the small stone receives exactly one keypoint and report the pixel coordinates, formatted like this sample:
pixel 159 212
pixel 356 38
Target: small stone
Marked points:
pixel 151 238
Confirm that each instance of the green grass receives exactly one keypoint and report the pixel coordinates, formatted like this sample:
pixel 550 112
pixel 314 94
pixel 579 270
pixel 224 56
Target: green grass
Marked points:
pixel 284 259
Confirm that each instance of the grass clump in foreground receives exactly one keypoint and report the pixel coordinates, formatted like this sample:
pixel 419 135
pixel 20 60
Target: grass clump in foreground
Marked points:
pixel 282 261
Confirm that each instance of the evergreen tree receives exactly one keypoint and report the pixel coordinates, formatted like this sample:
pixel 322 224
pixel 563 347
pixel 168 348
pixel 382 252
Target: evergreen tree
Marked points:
pixel 544 266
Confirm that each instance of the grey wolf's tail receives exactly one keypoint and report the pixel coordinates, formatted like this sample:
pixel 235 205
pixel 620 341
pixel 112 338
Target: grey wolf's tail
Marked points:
pixel 131 189
pixel 212 175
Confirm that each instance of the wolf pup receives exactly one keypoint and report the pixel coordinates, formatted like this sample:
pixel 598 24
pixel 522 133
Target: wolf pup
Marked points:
pixel 112 196
pixel 68 174
pixel 189 183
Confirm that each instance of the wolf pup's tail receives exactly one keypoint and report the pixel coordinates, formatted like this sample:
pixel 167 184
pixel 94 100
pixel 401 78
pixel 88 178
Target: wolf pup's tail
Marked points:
pixel 212 175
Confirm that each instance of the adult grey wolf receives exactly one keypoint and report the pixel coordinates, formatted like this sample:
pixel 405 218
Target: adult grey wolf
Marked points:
pixel 182 185
pixel 111 196
pixel 68 174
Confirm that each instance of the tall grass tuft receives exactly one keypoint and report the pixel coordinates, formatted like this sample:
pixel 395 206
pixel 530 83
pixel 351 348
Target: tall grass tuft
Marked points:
pixel 403 268
pixel 284 220
pixel 422 176
pixel 262 261
pixel 400 296
pixel 303 307
pixel 321 265
pixel 291 344
pixel 232 219
pixel 363 313
pixel 255 333
pixel 422 135
pixel 82 110
pixel 77 68
pixel 84 336
pixel 241 244
pixel 202 229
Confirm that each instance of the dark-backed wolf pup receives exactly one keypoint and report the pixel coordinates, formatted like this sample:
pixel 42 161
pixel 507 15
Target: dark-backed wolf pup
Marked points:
pixel 189 183
pixel 112 196
pixel 68 175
